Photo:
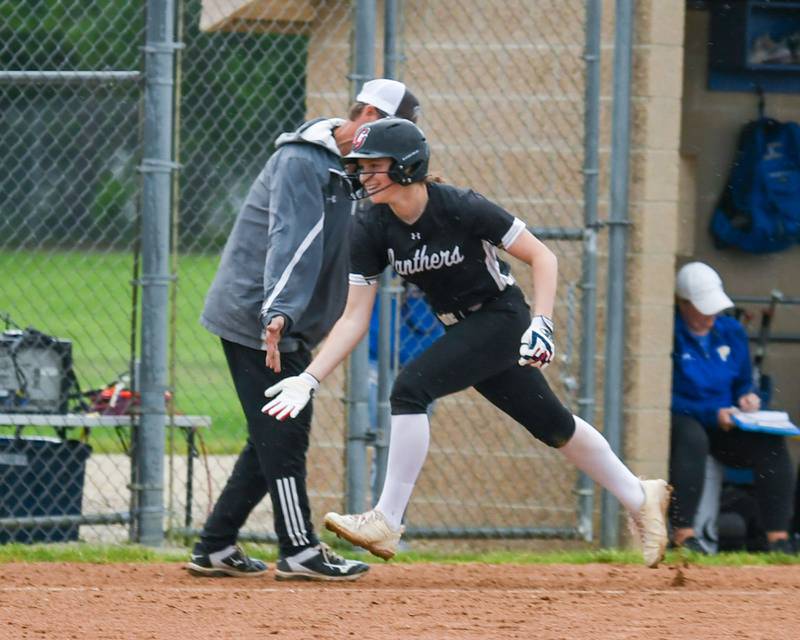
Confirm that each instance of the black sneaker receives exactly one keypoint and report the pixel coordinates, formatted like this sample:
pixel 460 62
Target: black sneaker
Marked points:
pixel 694 545
pixel 230 561
pixel 782 546
pixel 319 563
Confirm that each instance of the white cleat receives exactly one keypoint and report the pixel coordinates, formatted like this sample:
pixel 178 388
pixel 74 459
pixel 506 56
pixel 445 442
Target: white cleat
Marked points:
pixel 368 530
pixel 650 524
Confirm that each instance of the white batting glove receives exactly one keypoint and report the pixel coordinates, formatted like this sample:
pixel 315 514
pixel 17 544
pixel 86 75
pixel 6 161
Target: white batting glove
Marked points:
pixel 536 347
pixel 291 396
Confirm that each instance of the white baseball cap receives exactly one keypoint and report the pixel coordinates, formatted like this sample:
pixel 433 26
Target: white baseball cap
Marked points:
pixel 701 285
pixel 391 97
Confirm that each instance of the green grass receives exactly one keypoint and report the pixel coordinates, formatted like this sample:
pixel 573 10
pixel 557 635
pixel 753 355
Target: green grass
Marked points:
pixel 601 556
pixel 85 297
pixel 80 552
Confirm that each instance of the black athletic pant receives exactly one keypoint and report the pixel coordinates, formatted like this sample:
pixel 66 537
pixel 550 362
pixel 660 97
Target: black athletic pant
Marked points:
pixel 273 459
pixel 796 519
pixel 767 455
pixel 482 351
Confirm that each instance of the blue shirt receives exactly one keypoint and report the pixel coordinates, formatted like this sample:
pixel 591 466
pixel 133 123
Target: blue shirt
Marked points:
pixel 419 327
pixel 709 373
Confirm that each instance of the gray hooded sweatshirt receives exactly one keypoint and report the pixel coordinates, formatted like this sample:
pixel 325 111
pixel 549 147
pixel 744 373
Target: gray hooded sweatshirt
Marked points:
pixel 288 251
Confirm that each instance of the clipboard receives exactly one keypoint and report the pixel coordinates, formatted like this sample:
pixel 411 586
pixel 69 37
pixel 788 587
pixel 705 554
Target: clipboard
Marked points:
pixel 772 422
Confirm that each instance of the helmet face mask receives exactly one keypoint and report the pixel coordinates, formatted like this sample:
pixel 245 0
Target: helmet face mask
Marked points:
pixel 352 181
pixel 399 140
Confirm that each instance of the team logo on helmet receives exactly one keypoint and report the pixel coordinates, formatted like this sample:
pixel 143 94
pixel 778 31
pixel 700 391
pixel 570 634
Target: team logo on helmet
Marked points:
pixel 361 138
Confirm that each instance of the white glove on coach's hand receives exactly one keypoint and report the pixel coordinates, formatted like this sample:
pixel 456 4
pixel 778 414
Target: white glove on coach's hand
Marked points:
pixel 536 347
pixel 291 396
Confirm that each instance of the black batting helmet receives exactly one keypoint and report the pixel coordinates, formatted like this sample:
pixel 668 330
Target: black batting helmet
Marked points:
pixel 395 138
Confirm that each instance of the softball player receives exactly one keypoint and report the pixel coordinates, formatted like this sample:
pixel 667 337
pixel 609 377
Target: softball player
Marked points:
pixel 445 240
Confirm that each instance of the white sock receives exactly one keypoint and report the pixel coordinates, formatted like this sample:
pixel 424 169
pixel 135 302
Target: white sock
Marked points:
pixel 590 452
pixel 408 447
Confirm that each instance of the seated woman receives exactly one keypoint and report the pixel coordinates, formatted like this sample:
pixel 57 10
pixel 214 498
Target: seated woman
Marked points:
pixel 711 380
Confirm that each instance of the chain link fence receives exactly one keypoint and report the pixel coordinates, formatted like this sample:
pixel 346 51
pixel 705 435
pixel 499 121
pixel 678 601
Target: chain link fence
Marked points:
pixel 70 101
pixel 502 86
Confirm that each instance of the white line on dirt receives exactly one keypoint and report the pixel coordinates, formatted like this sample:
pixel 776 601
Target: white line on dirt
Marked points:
pixel 336 589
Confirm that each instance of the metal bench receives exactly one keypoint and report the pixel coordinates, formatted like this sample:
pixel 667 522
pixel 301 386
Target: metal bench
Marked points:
pixel 61 423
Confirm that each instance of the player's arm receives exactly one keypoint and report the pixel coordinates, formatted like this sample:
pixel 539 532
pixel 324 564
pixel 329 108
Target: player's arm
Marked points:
pixel 292 394
pixel 491 222
pixel 544 270
pixel 537 347
pixel 347 332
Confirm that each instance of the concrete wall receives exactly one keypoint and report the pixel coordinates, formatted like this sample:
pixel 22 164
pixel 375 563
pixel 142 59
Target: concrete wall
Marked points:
pixel 711 122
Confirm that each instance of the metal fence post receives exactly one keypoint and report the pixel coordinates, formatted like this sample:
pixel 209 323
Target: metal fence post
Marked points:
pixel 358 378
pixel 384 426
pixel 586 399
pixel 157 167
pixel 617 249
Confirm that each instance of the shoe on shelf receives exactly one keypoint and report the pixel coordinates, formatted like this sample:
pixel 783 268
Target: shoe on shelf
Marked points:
pixel 781 546
pixel 368 530
pixel 319 563
pixel 230 561
pixel 650 524
pixel 694 545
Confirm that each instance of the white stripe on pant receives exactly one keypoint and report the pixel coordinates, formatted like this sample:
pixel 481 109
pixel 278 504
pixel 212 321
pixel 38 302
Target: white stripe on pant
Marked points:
pixel 292 516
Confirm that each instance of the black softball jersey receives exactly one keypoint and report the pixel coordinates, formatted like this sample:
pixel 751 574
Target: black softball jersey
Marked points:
pixel 450 252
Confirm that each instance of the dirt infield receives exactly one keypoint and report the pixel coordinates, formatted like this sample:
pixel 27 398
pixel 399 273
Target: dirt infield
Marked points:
pixel 544 602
